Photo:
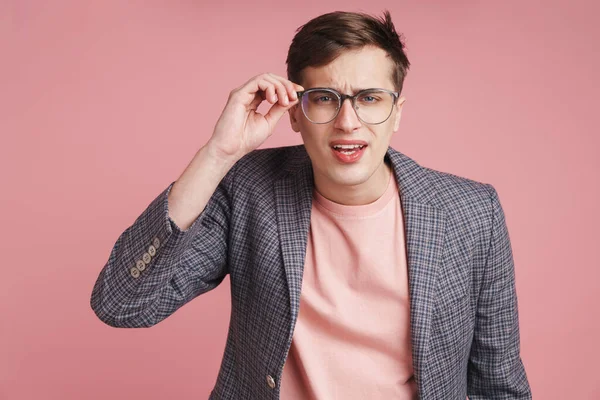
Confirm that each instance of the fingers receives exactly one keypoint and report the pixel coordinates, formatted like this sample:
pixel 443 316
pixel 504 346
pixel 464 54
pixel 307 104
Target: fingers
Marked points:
pixel 259 97
pixel 281 94
pixel 286 90
pixel 273 88
pixel 275 114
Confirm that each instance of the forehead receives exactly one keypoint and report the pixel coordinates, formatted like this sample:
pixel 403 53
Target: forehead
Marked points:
pixel 353 70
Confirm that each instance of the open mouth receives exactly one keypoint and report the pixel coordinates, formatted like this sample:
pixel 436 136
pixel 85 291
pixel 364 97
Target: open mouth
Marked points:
pixel 348 153
pixel 348 149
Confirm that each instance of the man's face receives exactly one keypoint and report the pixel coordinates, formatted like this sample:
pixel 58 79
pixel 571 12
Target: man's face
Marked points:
pixel 369 67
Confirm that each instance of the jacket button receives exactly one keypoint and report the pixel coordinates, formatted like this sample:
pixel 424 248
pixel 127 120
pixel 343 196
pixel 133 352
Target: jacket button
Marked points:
pixel 270 381
pixel 146 257
pixel 140 265
pixel 134 272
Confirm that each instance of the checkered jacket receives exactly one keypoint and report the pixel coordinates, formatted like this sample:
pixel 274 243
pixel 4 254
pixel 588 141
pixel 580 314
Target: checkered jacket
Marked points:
pixel 463 310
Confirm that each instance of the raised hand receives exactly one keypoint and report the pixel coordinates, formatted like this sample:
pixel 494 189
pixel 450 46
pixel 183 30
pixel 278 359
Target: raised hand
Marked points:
pixel 240 128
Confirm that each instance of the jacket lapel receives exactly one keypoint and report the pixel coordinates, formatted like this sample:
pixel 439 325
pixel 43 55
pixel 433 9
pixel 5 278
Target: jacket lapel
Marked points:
pixel 293 199
pixel 424 224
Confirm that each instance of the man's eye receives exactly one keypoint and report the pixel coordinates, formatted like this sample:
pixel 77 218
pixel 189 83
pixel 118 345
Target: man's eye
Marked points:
pixel 369 99
pixel 323 99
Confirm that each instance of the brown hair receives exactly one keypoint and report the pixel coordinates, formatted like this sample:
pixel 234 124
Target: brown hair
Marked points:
pixel 324 38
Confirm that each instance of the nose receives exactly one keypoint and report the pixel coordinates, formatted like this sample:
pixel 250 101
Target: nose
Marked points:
pixel 347 120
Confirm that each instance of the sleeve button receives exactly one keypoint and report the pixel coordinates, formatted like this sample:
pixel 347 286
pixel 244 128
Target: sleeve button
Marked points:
pixel 134 272
pixel 140 265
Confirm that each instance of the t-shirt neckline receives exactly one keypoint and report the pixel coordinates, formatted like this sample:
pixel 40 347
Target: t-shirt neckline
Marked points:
pixel 363 210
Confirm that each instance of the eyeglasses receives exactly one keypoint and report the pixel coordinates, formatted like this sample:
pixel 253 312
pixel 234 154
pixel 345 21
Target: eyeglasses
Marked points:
pixel 372 106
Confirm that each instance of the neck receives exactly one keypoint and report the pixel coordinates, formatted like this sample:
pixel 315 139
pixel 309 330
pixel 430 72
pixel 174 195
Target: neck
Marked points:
pixel 355 195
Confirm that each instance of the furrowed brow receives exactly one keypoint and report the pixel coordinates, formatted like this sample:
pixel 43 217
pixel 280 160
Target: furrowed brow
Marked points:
pixel 354 90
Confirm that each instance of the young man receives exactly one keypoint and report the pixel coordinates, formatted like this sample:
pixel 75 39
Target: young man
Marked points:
pixel 355 272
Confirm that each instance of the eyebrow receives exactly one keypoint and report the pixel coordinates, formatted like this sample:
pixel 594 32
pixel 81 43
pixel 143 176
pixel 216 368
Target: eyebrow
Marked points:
pixel 340 91
pixel 353 92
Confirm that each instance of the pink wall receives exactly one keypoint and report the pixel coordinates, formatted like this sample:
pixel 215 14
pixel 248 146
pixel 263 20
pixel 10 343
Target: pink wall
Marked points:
pixel 103 103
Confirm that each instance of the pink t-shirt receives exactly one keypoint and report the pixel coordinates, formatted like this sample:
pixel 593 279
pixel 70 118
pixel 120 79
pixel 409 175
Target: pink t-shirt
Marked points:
pixel 352 337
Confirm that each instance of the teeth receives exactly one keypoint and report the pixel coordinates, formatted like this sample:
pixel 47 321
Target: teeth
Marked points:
pixel 348 146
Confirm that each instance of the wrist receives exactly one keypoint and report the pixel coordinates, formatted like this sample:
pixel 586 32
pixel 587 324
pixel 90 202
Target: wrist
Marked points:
pixel 220 157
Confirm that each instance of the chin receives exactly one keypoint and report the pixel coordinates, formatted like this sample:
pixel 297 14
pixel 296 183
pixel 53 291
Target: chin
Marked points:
pixel 349 177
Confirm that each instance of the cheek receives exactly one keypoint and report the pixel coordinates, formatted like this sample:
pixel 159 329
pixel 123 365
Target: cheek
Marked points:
pixel 381 136
pixel 379 133
pixel 310 142
pixel 314 136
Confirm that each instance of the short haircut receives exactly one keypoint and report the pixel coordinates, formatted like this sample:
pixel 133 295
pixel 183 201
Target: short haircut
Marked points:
pixel 324 38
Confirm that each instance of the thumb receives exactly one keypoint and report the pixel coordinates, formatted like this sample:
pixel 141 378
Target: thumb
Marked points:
pixel 276 112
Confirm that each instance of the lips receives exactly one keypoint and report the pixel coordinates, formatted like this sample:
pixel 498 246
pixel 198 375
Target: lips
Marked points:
pixel 347 151
pixel 348 142
pixel 348 148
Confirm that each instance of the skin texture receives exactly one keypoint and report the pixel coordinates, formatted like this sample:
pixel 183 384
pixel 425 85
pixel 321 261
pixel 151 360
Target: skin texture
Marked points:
pixel 364 181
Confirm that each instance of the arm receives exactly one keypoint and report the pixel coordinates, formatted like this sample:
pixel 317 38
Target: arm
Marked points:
pixel 495 369
pixel 177 248
pixel 187 261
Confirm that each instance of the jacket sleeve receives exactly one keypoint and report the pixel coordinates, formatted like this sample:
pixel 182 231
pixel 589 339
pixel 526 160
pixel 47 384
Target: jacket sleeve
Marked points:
pixel 154 267
pixel 495 369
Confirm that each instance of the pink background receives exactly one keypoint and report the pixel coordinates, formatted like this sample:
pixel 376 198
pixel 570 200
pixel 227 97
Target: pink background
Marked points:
pixel 103 104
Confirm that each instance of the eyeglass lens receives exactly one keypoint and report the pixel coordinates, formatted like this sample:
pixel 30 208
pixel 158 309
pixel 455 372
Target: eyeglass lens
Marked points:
pixel 372 107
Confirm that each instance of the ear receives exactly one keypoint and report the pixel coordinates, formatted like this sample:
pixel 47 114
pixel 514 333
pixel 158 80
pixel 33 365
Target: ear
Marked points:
pixel 295 116
pixel 399 105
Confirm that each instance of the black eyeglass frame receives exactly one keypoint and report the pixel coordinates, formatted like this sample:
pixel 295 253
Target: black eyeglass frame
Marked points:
pixel 342 97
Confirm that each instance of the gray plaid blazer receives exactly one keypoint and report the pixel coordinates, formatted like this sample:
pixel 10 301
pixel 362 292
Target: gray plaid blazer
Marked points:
pixel 463 311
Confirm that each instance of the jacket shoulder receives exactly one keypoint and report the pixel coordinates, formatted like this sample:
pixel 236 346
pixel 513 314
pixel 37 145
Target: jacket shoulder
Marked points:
pixel 459 194
pixel 264 166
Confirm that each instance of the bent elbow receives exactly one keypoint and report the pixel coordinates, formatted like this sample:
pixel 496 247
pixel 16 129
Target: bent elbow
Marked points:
pixel 119 313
